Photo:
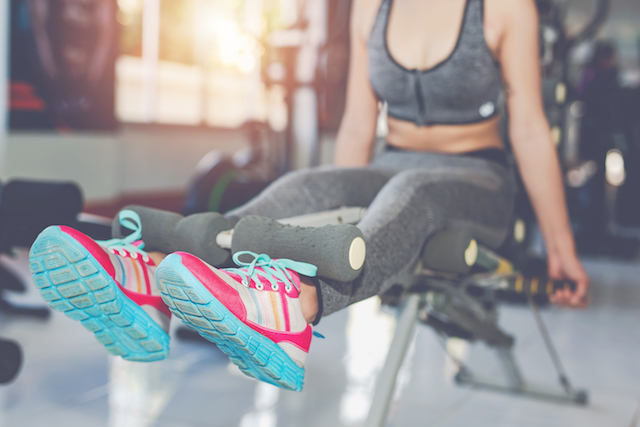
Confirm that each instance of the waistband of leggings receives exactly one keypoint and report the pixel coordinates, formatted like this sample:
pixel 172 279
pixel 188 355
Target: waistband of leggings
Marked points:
pixel 495 155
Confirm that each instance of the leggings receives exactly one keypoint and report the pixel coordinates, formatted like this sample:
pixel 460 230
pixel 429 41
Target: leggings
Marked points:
pixel 410 195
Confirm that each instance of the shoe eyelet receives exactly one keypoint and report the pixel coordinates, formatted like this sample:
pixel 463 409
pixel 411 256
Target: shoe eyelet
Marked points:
pixel 145 258
pixel 134 255
pixel 259 286
pixel 122 252
pixel 287 288
pixel 245 283
pixel 274 287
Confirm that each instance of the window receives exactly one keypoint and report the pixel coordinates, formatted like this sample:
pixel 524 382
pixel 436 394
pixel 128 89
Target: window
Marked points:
pixel 197 62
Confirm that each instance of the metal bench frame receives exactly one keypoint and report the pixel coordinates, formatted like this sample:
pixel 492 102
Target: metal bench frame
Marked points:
pixel 428 294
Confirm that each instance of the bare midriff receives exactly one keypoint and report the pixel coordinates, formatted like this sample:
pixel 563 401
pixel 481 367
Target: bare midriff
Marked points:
pixel 453 139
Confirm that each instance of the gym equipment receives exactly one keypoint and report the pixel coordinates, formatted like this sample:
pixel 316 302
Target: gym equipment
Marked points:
pixel 459 299
pixel 308 62
pixel 627 205
pixel 555 44
pixel 561 102
pixel 10 360
pixel 455 289
pixel 301 61
pixel 465 306
pixel 26 208
pixel 223 182
pixel 337 250
pixel 166 232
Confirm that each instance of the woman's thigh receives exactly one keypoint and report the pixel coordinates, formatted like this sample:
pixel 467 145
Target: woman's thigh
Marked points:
pixel 409 209
pixel 314 190
pixel 480 198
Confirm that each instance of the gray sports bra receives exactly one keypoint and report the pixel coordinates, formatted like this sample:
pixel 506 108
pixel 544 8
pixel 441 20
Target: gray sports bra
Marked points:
pixel 464 88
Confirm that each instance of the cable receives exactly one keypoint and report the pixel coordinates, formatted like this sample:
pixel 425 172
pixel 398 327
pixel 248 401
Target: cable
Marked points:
pixel 562 375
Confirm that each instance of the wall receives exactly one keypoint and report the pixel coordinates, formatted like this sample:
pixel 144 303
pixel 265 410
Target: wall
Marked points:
pixel 156 159
pixel 137 159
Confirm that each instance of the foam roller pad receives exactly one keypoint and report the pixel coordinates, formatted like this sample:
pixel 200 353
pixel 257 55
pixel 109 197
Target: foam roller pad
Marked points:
pixel 167 232
pixel 197 235
pixel 157 227
pixel 55 202
pixel 337 250
pixel 445 251
pixel 30 206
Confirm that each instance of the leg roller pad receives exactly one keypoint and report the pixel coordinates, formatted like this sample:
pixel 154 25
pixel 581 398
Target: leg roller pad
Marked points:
pixel 337 250
pixel 167 232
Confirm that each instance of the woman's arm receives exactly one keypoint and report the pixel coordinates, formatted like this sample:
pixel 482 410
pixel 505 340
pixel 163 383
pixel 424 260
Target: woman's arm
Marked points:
pixel 356 135
pixel 533 147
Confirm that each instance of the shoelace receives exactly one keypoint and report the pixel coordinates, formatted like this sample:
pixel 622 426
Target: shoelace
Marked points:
pixel 131 221
pixel 270 268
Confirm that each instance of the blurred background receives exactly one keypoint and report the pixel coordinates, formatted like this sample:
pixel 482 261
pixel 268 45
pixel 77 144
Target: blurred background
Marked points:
pixel 141 90
pixel 197 105
pixel 175 80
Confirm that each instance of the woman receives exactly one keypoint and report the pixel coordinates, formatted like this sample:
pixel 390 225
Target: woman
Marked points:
pixel 441 66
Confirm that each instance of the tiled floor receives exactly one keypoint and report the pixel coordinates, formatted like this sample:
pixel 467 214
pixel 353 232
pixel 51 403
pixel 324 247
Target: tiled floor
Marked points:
pixel 68 379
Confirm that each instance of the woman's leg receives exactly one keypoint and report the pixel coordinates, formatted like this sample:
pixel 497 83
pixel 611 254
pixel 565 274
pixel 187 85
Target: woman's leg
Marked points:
pixel 256 313
pixel 403 212
pixel 410 208
pixel 296 193
pixel 314 190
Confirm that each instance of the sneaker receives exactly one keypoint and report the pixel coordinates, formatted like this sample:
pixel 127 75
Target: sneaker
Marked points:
pixel 109 287
pixel 251 313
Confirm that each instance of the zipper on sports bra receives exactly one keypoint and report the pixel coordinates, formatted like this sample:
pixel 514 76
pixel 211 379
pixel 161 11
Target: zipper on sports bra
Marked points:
pixel 418 88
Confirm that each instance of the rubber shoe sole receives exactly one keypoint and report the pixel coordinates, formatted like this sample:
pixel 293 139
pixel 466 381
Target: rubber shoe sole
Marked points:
pixel 73 282
pixel 256 355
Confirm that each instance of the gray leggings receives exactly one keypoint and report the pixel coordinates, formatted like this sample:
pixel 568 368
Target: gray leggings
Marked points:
pixel 409 195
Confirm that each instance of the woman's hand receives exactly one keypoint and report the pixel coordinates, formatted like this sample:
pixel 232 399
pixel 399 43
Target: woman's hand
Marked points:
pixel 534 149
pixel 567 266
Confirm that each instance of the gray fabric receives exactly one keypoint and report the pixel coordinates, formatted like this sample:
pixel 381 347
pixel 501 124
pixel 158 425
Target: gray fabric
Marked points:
pixel 325 247
pixel 464 88
pixel 410 196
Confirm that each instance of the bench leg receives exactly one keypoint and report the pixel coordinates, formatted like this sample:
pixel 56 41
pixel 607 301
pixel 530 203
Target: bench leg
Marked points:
pixel 516 384
pixel 387 378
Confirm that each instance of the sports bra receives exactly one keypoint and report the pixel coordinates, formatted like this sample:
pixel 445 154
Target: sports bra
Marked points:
pixel 464 88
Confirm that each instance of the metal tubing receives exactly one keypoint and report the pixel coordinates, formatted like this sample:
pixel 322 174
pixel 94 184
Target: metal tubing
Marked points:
pixel 387 378
pixel 538 391
pixel 510 369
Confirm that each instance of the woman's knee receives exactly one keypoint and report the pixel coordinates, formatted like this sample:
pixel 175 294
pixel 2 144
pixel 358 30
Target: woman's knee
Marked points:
pixel 304 176
pixel 340 186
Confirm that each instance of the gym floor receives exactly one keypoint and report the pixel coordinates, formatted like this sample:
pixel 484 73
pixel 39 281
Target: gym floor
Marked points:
pixel 68 380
